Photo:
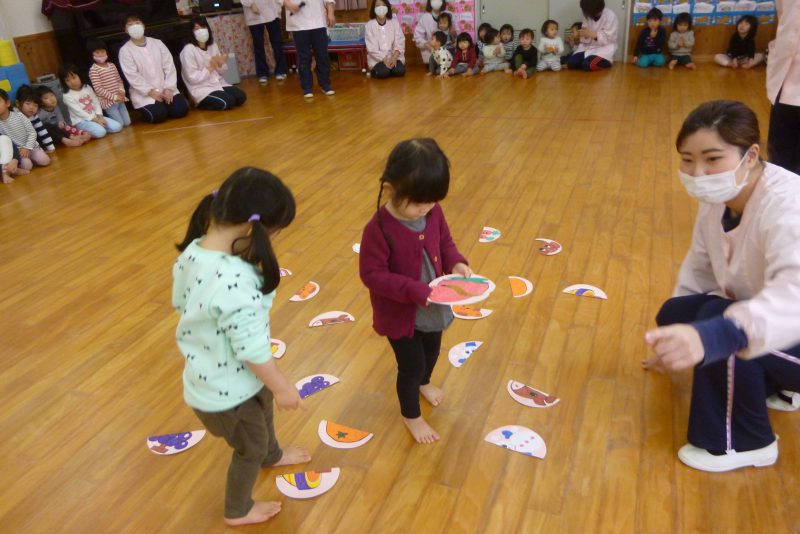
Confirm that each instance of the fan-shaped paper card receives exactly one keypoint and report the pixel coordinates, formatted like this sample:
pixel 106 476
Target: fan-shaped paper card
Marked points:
pixel 314 383
pixel 489 234
pixel 331 317
pixel 461 352
pixel 550 248
pixel 340 436
pixel 285 272
pixel 357 248
pixel 518 439
pixel 529 396
pixel 520 287
pixel 470 313
pixel 308 484
pixel 168 444
pixel 585 290
pixel 277 347
pixel 307 292
pixel 453 289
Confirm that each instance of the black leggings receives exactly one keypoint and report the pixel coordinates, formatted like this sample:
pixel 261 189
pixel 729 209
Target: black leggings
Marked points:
pixel 228 98
pixel 416 357
pixel 582 61
pixel 784 136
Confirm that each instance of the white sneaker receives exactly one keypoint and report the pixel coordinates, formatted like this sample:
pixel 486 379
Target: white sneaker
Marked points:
pixel 330 92
pixel 263 79
pixel 308 95
pixel 280 77
pixel 703 460
pixel 776 402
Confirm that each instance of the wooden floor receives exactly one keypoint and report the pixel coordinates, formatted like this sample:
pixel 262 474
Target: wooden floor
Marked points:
pixel 90 367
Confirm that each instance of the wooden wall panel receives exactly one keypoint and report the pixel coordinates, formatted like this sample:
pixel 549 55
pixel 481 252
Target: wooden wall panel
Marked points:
pixel 39 53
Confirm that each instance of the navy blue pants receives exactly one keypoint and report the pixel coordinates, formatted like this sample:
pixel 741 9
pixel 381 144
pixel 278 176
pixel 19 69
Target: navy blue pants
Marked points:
pixel 728 410
pixel 784 136
pixel 161 111
pixel 316 40
pixel 581 61
pixel 274 31
pixel 416 357
pixel 228 98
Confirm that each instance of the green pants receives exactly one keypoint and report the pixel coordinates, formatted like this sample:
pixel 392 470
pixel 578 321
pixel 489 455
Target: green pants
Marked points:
pixel 518 63
pixel 249 431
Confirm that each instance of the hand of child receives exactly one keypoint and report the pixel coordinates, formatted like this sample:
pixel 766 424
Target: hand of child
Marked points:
pixel 99 120
pixel 680 42
pixel 288 398
pixel 24 152
pixel 734 63
pixel 636 59
pixel 62 125
pixel 676 347
pixel 462 269
pixel 747 64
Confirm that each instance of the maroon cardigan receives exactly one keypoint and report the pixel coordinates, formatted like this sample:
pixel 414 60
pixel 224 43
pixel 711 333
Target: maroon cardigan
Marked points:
pixel 467 56
pixel 392 275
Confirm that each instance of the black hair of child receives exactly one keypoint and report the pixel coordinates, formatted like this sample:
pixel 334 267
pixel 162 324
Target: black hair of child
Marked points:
pixel 247 192
pixel 655 13
pixel 26 93
pixel 65 70
pixel 526 31
pixel 682 18
pixel 753 26
pixel 490 35
pixel 464 36
pixel 546 25
pixel 440 37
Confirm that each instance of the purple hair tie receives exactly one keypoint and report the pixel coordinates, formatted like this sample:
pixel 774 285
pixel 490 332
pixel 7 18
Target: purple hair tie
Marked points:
pixel 254 217
pixel 214 193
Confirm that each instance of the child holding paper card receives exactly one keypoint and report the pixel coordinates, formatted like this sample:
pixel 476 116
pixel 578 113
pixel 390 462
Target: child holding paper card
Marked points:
pixel 223 286
pixel 405 246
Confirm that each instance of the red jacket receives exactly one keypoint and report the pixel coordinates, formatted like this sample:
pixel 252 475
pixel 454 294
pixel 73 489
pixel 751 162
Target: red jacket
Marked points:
pixel 464 56
pixel 392 275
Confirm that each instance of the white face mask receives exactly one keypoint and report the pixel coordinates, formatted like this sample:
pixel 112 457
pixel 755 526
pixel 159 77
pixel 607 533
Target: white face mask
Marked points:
pixel 136 31
pixel 201 35
pixel 714 188
pixel 436 5
pixel 381 11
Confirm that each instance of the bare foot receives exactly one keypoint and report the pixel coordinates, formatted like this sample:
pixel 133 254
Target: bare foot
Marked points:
pixel 672 64
pixel 691 66
pixel 85 137
pixel 524 74
pixel 21 172
pixel 432 394
pixel 7 179
pixel 508 71
pixel 260 512
pixel 293 454
pixel 421 430
pixel 68 141
pixel 429 74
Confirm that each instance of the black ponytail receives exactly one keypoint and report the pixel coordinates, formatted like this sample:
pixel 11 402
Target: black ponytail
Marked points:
pixel 198 224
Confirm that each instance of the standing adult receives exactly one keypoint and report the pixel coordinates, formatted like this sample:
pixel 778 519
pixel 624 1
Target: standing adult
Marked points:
pixel 783 88
pixel 307 20
pixel 386 44
pixel 150 71
pixel 736 305
pixel 263 15
pixel 427 25
pixel 598 37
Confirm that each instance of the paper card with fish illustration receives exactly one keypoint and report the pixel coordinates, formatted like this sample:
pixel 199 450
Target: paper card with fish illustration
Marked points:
pixel 459 354
pixel 470 313
pixel 314 383
pixel 585 290
pixel 453 289
pixel 331 317
pixel 489 234
pixel 307 484
pixel 340 436
pixel 520 287
pixel 550 248
pixel 307 292
pixel 518 439
pixel 277 347
pixel 168 444
pixel 285 272
pixel 529 396
pixel 357 248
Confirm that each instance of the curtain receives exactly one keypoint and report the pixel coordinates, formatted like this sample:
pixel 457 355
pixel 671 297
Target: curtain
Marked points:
pixel 347 5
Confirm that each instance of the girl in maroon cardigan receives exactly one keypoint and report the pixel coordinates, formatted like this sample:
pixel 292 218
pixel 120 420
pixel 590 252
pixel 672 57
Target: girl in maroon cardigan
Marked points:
pixel 405 246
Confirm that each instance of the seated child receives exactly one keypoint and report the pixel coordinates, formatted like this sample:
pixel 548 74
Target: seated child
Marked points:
pixel 507 40
pixel 441 58
pixel 651 41
pixel 445 24
pixel 9 160
pixel 524 59
pixel 493 53
pixel 550 47
pixel 464 61
pixel 681 41
pixel 17 126
pixel 742 46
pixel 107 83
pixel 55 123
pixel 481 41
pixel 27 103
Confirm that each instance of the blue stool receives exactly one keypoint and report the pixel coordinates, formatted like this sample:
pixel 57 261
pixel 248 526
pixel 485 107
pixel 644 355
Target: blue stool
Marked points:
pixel 15 76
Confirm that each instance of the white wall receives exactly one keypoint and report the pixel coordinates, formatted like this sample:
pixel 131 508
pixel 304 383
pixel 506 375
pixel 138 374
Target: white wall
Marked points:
pixel 22 17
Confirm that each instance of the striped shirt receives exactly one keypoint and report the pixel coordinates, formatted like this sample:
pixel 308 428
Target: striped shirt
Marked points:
pixel 509 47
pixel 45 141
pixel 19 129
pixel 106 82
